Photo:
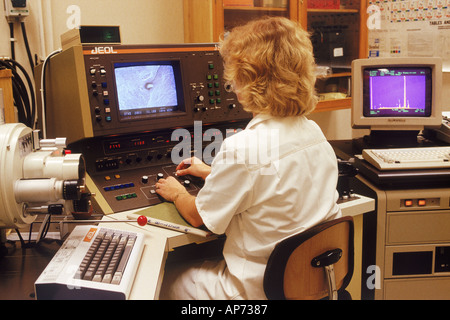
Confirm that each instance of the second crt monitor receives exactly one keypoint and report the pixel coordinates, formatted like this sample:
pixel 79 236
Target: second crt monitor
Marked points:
pixel 396 94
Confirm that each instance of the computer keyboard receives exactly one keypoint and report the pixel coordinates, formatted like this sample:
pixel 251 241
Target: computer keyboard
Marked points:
pixel 93 263
pixel 408 158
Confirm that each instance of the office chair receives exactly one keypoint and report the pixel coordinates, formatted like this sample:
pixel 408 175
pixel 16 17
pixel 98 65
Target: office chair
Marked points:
pixel 312 265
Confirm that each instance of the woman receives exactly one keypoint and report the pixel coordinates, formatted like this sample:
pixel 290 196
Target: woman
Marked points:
pixel 274 179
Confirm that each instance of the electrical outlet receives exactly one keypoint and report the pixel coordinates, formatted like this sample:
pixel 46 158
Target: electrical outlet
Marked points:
pixel 16 10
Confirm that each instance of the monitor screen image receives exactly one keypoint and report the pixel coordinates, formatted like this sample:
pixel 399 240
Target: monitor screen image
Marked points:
pixel 397 92
pixel 145 89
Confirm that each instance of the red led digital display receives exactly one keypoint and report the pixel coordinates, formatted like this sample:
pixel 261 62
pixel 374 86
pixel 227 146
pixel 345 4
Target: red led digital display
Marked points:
pixel 138 143
pixel 114 146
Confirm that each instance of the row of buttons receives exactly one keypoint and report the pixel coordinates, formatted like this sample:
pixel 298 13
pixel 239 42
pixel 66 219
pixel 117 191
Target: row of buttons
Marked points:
pixel 420 202
pixel 103 92
pixel 119 186
pixel 126 196
pixel 210 85
pixel 93 71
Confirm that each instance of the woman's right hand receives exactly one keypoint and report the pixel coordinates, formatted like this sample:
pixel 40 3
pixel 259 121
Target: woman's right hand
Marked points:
pixel 194 167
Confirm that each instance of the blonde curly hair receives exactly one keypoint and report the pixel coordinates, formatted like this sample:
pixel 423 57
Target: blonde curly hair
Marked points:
pixel 270 64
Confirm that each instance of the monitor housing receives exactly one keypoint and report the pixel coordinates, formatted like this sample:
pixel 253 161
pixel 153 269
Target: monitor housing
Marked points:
pixel 396 98
pixel 107 91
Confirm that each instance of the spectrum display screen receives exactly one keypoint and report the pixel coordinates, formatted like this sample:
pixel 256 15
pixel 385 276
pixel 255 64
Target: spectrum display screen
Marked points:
pixel 397 92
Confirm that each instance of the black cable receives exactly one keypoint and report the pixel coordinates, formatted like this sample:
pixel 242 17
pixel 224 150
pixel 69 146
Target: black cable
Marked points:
pixel 30 232
pixel 22 242
pixel 33 108
pixel 46 227
pixel 23 91
pixel 11 38
pixel 17 95
pixel 20 94
pixel 26 109
pixel 25 38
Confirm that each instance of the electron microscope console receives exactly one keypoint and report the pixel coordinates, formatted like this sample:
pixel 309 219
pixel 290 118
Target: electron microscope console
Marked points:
pixel 135 111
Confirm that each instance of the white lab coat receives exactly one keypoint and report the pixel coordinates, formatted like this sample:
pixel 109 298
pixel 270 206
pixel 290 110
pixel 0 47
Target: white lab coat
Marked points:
pixel 258 198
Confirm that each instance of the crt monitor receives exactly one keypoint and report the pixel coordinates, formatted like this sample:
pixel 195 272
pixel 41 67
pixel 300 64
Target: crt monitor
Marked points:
pixel 397 96
pixel 147 89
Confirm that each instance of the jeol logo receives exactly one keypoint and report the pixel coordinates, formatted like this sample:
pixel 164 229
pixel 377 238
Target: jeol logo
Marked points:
pixel 103 50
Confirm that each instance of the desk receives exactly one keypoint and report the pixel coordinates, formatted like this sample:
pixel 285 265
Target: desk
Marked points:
pixel 160 241
pixel 20 268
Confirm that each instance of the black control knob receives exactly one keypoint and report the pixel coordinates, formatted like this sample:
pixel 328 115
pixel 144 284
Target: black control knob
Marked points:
pixel 232 106
pixel 159 176
pixel 186 183
pixel 144 179
pixel 72 190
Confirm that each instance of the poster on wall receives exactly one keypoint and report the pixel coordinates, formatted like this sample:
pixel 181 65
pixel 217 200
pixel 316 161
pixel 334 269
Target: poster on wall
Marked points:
pixel 409 28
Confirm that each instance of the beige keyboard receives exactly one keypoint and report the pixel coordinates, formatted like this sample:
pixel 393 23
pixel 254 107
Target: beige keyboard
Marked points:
pixel 408 158
pixel 93 263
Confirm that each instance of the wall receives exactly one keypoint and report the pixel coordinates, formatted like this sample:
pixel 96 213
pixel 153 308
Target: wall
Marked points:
pixel 140 21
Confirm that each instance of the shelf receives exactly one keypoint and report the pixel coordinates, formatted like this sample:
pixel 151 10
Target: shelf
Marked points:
pixel 330 105
pixel 332 10
pixel 255 9
pixel 352 14
pixel 335 75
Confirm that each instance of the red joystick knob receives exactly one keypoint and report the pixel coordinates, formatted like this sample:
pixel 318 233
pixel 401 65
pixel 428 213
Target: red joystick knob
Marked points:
pixel 142 220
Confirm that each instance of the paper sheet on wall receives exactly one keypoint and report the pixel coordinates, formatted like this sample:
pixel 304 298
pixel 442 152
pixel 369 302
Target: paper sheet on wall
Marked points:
pixel 410 28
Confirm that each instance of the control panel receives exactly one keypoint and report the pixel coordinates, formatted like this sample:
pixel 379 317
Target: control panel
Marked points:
pixel 119 106
pixel 125 168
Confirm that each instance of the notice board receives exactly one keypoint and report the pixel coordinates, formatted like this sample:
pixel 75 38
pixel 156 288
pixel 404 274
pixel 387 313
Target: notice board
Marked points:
pixel 410 28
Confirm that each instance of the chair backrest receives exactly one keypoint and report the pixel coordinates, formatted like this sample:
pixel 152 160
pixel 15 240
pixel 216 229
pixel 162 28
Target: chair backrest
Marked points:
pixel 289 273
